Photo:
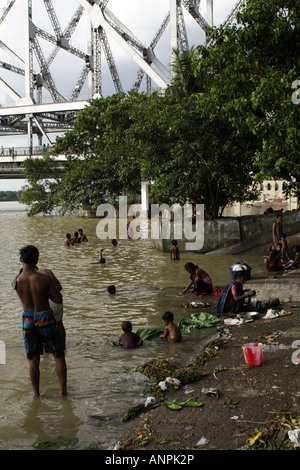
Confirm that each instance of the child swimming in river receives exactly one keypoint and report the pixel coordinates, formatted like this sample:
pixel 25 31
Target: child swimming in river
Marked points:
pixel 172 333
pixel 101 259
pixel 174 252
pixel 128 339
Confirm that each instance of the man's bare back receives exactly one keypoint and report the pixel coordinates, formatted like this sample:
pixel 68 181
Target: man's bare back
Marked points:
pixel 34 288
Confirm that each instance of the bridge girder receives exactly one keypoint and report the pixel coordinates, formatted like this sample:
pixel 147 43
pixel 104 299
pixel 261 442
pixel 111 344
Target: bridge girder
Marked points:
pixel 29 115
pixel 37 68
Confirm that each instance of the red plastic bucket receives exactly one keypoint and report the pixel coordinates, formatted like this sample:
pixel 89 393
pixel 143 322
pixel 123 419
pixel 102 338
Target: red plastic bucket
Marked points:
pixel 253 354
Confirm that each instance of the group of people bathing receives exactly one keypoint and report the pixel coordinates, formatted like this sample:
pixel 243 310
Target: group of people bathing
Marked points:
pixel 278 258
pixel 40 293
pixel 232 299
pixel 78 237
pixel 200 284
pixel 42 319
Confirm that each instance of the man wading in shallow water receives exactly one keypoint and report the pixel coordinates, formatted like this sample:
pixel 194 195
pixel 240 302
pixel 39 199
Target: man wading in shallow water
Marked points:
pixel 39 326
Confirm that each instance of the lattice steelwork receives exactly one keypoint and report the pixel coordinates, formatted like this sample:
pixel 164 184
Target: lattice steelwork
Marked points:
pixel 30 114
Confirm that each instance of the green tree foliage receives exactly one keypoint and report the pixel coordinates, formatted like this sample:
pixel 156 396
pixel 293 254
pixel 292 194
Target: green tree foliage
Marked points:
pixel 102 159
pixel 192 154
pixel 226 118
pixel 185 82
pixel 43 175
pixel 251 67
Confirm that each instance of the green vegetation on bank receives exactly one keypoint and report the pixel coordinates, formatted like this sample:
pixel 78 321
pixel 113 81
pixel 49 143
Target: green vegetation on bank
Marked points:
pixel 226 122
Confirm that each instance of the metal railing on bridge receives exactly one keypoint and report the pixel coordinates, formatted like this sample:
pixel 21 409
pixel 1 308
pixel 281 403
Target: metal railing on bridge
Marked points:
pixel 12 159
pixel 24 151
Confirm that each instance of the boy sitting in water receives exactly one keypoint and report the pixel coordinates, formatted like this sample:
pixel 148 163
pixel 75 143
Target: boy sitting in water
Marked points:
pixel 172 332
pixel 128 339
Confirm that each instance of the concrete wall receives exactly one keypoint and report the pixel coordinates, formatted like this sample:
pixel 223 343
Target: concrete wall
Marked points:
pixel 231 235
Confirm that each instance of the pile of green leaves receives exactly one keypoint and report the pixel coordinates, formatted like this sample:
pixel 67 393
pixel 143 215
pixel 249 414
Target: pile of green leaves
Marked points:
pixel 158 369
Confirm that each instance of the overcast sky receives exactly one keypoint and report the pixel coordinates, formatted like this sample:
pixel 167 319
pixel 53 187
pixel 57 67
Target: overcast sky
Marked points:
pixel 142 17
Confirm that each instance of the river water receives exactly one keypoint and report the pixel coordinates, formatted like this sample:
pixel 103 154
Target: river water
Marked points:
pixel 100 385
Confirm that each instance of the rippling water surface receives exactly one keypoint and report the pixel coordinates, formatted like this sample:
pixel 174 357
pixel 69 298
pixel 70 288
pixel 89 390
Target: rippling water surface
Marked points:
pixel 99 383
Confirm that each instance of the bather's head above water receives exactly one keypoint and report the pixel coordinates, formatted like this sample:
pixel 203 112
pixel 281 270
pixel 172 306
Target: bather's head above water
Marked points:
pixel 126 326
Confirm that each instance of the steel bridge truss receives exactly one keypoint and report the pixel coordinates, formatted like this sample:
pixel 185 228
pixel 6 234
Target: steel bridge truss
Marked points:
pixel 29 114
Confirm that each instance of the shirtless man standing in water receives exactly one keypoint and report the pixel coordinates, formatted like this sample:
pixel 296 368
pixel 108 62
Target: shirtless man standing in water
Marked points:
pixel 40 330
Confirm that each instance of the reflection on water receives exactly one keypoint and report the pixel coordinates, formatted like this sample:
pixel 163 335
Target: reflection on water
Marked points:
pixel 99 383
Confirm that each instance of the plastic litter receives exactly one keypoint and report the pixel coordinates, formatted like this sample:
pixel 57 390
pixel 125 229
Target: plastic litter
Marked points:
pixel 169 380
pixel 270 314
pixel 252 440
pixel 236 321
pixel 202 441
pixel 213 392
pixel 197 305
pixel 253 354
pixel 233 321
pixel 150 401
pixel 188 390
pixel 294 437
pixel 247 315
